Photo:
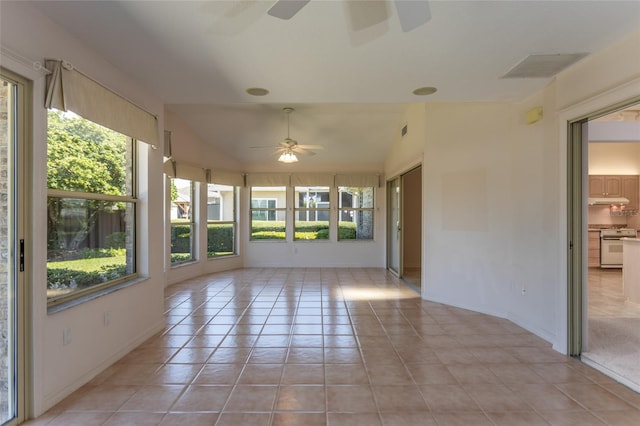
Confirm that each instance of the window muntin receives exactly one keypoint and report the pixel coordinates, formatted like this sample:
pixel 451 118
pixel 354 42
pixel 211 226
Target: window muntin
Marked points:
pixel 91 204
pixel 221 220
pixel 356 207
pixel 268 212
pixel 311 212
pixel 182 216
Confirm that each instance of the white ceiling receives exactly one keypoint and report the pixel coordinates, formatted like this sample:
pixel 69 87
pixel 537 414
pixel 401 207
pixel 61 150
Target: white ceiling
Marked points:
pixel 349 88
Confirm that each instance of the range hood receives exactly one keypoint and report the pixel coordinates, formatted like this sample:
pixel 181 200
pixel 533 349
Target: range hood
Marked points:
pixel 607 201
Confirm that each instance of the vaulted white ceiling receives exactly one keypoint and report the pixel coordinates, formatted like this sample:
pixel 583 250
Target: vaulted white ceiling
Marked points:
pixel 349 88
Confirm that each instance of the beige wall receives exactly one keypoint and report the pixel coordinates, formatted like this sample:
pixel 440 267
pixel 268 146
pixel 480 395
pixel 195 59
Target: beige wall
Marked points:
pixel 609 158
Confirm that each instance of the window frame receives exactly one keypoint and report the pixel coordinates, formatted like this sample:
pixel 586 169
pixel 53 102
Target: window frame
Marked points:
pixel 315 210
pixel 233 223
pixel 356 210
pixel 275 211
pixel 81 295
pixel 192 224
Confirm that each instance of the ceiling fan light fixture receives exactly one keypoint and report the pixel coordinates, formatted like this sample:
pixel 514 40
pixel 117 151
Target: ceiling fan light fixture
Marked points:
pixel 288 157
pixel 425 91
pixel 257 91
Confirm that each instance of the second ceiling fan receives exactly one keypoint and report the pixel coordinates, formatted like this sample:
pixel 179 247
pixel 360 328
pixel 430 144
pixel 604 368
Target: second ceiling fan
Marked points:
pixel 288 148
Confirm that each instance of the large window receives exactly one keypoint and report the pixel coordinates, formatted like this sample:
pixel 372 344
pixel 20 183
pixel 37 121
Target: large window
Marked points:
pixel 311 213
pixel 221 220
pixel 268 211
pixel 91 205
pixel 182 220
pixel 356 213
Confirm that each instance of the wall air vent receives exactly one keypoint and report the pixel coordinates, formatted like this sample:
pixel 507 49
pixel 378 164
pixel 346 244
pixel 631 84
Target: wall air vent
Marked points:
pixel 543 66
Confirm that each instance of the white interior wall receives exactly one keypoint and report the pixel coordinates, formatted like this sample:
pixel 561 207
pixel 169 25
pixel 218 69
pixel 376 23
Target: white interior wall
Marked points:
pixel 467 219
pixel 136 311
pixel 406 151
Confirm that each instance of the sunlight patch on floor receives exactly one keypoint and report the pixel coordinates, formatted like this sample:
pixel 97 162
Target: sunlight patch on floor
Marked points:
pixel 373 293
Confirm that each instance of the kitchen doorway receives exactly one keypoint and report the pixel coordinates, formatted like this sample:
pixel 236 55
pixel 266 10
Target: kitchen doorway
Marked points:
pixel 604 173
pixel 404 227
pixel 15 95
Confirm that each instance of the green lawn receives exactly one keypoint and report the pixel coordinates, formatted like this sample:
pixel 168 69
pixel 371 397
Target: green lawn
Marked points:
pixel 87 265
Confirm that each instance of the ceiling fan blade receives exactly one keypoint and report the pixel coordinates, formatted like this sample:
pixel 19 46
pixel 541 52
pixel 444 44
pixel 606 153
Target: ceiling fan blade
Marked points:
pixel 286 9
pixel 412 13
pixel 366 13
pixel 265 146
pixel 300 151
pixel 310 146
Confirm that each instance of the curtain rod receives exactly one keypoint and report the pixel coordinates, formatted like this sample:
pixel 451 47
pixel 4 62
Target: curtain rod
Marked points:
pixel 36 65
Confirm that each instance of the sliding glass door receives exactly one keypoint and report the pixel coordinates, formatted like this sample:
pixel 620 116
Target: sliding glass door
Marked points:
pixel 393 225
pixel 12 246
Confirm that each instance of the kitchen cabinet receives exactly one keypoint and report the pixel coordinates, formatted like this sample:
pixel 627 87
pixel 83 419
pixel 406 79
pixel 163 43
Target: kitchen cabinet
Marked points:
pixel 605 186
pixel 609 186
pixel 631 190
pixel 593 259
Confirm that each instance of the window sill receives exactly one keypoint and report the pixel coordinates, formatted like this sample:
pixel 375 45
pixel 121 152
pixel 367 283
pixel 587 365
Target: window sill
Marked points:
pixel 82 299
pixel 183 264
pixel 226 256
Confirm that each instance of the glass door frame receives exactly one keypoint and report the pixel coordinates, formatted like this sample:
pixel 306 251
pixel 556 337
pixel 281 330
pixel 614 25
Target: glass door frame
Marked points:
pixel 576 247
pixel 20 216
pixel 394 225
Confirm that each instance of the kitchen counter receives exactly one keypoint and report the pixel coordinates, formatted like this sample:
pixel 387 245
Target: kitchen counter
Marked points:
pixel 631 269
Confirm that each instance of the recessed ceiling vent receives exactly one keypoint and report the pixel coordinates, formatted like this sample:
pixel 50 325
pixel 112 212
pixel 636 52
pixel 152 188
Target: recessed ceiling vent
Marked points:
pixel 543 66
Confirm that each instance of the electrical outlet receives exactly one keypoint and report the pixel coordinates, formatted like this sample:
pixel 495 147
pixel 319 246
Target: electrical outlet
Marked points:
pixel 66 336
pixel 107 318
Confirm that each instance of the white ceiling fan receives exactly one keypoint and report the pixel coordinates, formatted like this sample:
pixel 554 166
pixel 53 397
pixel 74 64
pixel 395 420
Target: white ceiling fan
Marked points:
pixel 366 13
pixel 288 148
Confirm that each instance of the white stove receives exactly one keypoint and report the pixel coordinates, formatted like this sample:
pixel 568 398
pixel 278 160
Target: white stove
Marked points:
pixel 611 246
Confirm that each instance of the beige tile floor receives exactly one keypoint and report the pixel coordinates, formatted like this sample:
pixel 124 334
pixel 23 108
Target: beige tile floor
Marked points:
pixel 339 347
pixel 613 343
pixel 606 297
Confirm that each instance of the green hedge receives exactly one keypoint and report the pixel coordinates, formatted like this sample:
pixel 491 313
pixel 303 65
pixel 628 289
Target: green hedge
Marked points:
pixel 219 238
pixel 62 278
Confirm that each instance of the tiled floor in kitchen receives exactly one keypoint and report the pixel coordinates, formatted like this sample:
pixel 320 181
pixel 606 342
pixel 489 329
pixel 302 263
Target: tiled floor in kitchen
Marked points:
pixel 339 347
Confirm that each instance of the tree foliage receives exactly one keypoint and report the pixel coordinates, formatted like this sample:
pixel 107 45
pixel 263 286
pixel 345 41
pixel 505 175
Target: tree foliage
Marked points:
pixel 83 156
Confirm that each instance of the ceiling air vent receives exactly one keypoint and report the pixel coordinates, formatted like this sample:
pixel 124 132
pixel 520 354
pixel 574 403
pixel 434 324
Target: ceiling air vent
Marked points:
pixel 543 66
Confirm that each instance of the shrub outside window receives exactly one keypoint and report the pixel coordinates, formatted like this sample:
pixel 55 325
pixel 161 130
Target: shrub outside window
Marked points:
pixel 182 220
pixel 355 213
pixel 312 209
pixel 91 204
pixel 221 220
pixel 268 212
